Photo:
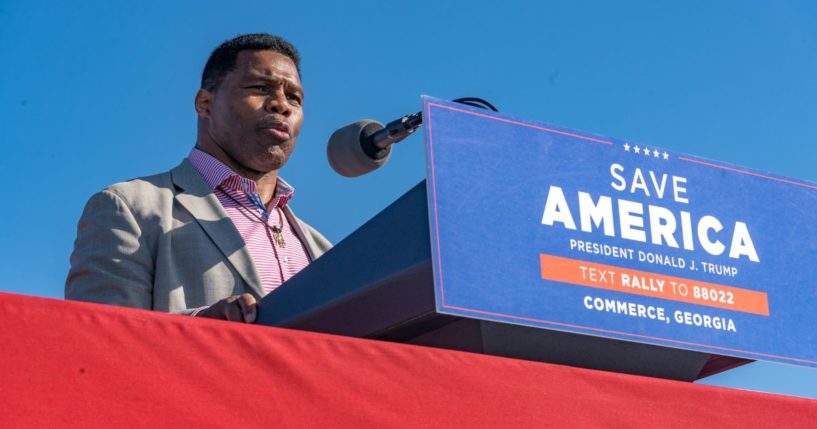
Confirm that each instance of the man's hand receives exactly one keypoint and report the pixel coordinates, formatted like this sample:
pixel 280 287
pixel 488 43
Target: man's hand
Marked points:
pixel 238 308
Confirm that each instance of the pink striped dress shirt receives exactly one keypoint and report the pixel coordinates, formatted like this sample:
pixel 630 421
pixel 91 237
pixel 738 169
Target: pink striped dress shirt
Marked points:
pixel 239 197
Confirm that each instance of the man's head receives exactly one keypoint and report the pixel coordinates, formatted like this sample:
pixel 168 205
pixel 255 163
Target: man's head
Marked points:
pixel 250 103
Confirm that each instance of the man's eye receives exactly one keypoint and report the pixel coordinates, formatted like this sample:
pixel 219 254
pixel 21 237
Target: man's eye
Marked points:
pixel 294 98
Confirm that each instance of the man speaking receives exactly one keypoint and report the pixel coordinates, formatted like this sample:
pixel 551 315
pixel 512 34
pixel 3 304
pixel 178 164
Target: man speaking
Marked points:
pixel 215 234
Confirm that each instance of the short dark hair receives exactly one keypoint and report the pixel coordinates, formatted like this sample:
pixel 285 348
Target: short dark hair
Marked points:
pixel 223 58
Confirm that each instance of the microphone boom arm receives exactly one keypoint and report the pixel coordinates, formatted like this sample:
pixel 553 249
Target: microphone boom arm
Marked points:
pixel 397 130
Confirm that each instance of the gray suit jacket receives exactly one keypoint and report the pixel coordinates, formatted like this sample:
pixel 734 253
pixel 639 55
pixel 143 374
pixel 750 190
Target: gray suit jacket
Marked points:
pixel 165 243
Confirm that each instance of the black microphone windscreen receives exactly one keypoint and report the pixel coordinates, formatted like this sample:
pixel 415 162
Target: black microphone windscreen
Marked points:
pixel 345 150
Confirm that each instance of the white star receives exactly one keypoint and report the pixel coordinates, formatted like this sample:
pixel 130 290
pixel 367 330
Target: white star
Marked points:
pixel 666 155
pixel 626 147
pixel 637 149
pixel 646 152
pixel 655 153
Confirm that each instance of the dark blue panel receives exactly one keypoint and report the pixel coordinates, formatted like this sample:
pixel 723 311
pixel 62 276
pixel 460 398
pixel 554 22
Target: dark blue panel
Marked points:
pixel 492 177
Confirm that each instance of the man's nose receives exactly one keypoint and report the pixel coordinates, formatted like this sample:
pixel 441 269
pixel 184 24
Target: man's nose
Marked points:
pixel 277 103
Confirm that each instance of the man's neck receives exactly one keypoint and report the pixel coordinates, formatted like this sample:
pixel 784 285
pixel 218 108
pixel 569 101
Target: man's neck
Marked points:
pixel 265 183
pixel 266 186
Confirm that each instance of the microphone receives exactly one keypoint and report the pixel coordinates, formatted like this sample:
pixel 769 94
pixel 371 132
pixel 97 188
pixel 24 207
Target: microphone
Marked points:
pixel 365 145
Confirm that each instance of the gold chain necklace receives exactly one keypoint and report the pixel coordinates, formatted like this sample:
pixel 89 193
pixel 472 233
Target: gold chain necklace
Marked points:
pixel 277 230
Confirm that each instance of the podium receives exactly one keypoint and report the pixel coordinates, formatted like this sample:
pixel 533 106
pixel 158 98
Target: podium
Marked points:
pixel 539 242
pixel 378 284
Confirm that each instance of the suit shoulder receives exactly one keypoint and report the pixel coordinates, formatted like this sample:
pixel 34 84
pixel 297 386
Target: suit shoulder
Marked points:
pixel 147 191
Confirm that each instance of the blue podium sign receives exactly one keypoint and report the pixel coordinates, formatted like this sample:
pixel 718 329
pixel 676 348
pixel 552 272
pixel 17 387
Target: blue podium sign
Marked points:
pixel 554 228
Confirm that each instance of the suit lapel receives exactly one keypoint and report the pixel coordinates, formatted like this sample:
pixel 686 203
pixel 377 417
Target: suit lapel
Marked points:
pixel 197 197
pixel 305 238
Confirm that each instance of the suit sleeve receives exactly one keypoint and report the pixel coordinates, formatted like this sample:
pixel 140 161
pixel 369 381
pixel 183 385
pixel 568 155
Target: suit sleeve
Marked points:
pixel 112 262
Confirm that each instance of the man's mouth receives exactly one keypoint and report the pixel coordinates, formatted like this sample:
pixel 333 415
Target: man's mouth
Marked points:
pixel 279 129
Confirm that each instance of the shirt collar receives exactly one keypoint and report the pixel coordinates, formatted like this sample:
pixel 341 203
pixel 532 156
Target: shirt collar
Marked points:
pixel 217 174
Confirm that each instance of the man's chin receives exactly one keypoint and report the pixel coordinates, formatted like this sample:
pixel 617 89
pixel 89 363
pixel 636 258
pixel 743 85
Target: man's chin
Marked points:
pixel 268 159
pixel 270 162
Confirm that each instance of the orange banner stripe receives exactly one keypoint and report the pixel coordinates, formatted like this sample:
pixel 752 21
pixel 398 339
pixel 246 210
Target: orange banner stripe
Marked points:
pixel 636 282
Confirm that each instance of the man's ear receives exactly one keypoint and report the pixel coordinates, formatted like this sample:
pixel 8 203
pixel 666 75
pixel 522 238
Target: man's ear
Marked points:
pixel 204 99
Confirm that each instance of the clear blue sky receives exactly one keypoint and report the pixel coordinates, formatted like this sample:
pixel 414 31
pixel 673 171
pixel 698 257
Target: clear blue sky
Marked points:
pixel 99 92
